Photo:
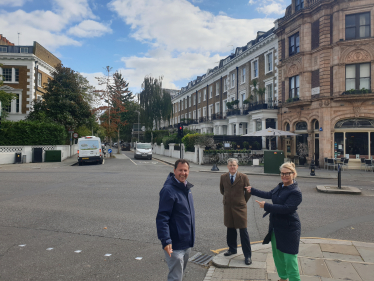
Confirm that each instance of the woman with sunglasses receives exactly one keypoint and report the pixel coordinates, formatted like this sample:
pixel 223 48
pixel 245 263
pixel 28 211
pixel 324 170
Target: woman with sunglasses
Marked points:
pixel 284 228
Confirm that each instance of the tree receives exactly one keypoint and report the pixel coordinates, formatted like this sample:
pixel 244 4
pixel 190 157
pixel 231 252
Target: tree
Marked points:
pixel 64 102
pixel 154 102
pixel 5 99
pixel 116 96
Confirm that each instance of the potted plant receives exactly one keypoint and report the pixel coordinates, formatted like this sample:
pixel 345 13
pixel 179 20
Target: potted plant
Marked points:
pixel 302 150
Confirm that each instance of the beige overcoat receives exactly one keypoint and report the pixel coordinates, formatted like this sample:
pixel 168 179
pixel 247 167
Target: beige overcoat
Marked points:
pixel 235 198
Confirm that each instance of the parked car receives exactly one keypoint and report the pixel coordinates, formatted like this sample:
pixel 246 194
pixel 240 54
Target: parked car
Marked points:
pixel 125 146
pixel 143 150
pixel 114 145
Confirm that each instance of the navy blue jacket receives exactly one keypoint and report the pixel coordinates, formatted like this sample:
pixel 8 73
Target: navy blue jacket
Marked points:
pixel 284 220
pixel 176 215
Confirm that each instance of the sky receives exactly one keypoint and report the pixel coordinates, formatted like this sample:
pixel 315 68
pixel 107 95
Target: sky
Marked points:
pixel 174 39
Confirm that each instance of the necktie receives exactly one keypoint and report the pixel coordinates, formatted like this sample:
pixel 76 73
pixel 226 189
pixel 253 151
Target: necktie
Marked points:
pixel 232 179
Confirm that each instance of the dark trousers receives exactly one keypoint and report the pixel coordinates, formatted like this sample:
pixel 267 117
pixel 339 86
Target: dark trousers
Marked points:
pixel 244 239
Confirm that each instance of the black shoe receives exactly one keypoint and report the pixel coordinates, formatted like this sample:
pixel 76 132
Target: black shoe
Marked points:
pixel 247 261
pixel 229 253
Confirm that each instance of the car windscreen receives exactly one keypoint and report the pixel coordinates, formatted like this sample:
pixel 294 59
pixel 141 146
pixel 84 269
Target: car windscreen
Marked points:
pixel 143 146
pixel 89 144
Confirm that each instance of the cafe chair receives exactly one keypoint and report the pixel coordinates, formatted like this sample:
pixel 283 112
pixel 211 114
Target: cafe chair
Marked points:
pixel 345 163
pixel 331 163
pixel 368 164
pixel 363 162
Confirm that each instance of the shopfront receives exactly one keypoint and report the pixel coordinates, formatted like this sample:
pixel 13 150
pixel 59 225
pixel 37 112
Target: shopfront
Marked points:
pixel 354 138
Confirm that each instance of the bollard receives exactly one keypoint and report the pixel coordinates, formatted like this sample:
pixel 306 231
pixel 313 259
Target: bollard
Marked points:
pixel 312 168
pixel 339 177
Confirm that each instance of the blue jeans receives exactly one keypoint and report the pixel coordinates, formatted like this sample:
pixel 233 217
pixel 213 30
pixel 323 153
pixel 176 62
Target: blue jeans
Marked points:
pixel 177 263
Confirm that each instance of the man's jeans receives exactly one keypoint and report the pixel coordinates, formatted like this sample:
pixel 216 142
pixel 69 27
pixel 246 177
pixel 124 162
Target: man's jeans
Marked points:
pixel 177 263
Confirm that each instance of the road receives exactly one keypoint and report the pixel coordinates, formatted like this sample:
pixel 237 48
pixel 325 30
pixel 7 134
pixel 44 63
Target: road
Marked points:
pixel 56 210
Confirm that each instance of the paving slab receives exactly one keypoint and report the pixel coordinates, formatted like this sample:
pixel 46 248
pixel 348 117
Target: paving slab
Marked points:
pixel 366 271
pixel 309 278
pixel 363 244
pixel 340 249
pixel 270 265
pixel 240 264
pixel 314 267
pixel 273 277
pixel 367 254
pixel 342 257
pixel 244 274
pixel 310 250
pixel 329 241
pixel 258 247
pixel 259 256
pixel 342 270
pixel 330 279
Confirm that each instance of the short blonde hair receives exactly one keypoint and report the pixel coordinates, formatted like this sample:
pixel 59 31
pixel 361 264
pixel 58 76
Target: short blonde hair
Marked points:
pixel 290 166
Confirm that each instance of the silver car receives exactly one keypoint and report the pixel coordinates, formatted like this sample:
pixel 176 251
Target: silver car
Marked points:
pixel 143 150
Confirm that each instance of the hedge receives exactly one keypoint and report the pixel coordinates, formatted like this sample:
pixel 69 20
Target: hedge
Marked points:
pixel 31 133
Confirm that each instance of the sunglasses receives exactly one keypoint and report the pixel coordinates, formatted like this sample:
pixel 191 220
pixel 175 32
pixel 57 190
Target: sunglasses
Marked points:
pixel 286 174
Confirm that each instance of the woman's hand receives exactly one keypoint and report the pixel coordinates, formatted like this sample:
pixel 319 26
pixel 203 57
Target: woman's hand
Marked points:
pixel 262 204
pixel 248 188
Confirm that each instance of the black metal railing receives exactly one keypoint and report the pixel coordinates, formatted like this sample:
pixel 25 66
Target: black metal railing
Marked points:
pixel 218 116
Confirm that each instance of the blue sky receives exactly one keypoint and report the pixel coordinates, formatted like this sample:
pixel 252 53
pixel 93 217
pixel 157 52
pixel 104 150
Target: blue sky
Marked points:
pixel 176 39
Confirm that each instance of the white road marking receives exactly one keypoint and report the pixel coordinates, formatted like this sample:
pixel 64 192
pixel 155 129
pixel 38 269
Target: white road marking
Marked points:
pixel 107 255
pixel 77 251
pixel 49 249
pixel 22 245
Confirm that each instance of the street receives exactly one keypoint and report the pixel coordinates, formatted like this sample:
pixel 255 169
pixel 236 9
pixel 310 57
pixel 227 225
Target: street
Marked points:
pixel 50 212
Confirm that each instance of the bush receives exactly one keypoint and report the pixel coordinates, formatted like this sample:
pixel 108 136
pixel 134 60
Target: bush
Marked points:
pixel 170 139
pixel 189 141
pixel 156 134
pixel 246 144
pixel 32 133
pixel 233 145
pixel 158 140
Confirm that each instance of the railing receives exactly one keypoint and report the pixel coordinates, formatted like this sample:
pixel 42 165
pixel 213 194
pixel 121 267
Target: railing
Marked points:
pixel 357 92
pixel 232 112
pixel 218 116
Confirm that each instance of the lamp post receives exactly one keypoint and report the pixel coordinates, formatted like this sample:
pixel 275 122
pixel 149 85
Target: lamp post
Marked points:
pixel 138 122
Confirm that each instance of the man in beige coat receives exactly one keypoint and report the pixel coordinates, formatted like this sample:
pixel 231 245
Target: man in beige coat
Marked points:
pixel 235 198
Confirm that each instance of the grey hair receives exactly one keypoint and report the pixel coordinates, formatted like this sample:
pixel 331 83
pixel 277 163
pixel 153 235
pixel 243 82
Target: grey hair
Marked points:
pixel 230 160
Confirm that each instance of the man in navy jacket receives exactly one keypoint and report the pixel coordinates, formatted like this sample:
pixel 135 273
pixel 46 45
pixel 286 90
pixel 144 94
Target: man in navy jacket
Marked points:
pixel 176 220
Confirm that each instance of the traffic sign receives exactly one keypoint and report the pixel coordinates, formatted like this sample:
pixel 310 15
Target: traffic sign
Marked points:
pixel 75 135
pixel 109 150
pixel 71 132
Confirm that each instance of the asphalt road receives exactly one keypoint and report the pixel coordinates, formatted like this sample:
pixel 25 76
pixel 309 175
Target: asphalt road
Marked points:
pixel 111 209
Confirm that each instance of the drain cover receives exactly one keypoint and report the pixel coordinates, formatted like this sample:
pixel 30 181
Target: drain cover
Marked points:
pixel 201 259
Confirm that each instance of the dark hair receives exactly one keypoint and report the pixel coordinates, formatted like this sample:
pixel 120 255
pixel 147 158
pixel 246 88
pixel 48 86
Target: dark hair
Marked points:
pixel 182 161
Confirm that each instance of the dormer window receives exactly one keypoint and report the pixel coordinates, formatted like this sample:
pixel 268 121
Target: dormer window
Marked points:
pixel 24 50
pixel 299 4
pixel 3 49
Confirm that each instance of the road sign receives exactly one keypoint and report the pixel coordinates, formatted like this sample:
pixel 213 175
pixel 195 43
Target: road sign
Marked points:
pixel 75 135
pixel 71 132
pixel 109 150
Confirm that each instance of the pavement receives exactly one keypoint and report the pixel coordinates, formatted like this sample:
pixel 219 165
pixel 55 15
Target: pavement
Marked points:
pixel 319 259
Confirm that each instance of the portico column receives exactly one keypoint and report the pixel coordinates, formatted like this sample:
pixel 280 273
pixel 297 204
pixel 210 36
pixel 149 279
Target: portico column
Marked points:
pixel 237 128
pixel 220 130
pixel 263 128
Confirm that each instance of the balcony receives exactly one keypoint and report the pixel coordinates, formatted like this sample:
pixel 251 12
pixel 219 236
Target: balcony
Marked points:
pixel 355 95
pixel 204 119
pixel 357 92
pixel 233 112
pixel 218 116
pixel 296 102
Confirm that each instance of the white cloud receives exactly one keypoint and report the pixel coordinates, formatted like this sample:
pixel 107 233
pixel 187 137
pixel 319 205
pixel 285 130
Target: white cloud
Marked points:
pixel 272 8
pixel 251 2
pixel 13 3
pixel 48 27
pixel 89 28
pixel 178 25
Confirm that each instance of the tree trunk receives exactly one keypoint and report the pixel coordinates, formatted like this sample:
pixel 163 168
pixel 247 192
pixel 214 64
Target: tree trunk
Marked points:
pixel 118 144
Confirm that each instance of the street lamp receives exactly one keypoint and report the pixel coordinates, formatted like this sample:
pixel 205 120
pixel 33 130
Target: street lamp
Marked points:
pixel 138 122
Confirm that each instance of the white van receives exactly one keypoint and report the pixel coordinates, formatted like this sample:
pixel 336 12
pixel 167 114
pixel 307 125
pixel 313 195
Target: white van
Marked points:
pixel 143 150
pixel 89 150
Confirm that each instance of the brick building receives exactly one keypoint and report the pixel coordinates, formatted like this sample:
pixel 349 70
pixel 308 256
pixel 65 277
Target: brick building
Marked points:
pixel 202 104
pixel 25 69
pixel 325 86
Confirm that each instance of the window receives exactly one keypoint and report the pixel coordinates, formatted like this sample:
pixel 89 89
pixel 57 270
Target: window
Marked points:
pixel 194 114
pixel 3 49
pixel 16 72
pixel 189 115
pixel 299 4
pixel 269 62
pixel 294 46
pixel 254 69
pixel 217 107
pixel 294 87
pixel 357 76
pixel 7 74
pixel 243 74
pixel 210 110
pixel 269 93
pixel 199 100
pixel 204 111
pixel 217 89
pixel 210 92
pixel 179 104
pixel 225 84
pixel 39 79
pixel 224 106
pixel 17 104
pixel 357 26
pixel 232 80
pixel 185 104
pixel 194 100
pixel 204 94
pixel 24 50
pixel 199 113
pixel 243 99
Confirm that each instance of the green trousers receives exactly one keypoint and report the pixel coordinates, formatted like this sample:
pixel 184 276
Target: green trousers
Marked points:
pixel 286 264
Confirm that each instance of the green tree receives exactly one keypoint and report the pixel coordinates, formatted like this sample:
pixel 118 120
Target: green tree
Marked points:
pixel 154 102
pixel 64 101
